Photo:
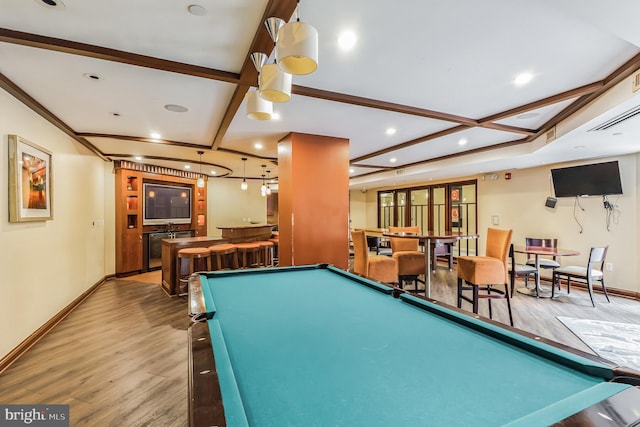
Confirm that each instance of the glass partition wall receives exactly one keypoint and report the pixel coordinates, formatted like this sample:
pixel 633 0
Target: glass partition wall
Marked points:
pixel 443 209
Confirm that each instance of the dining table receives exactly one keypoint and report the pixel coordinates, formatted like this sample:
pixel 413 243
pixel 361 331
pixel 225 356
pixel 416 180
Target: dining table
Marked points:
pixel 538 251
pixel 427 240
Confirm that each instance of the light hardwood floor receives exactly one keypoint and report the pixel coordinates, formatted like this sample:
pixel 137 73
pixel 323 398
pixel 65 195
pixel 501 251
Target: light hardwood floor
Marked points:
pixel 120 359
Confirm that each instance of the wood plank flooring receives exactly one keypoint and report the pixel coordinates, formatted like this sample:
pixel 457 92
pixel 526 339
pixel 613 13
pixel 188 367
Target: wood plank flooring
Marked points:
pixel 120 359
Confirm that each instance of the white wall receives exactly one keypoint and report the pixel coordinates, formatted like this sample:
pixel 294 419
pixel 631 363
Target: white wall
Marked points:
pixel 46 265
pixel 228 205
pixel 519 205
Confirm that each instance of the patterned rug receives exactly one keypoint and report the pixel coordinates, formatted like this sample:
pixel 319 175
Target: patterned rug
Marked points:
pixel 617 342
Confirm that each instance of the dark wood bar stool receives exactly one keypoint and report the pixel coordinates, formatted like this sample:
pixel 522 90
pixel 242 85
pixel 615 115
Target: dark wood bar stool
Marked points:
pixel 250 253
pixel 275 241
pixel 225 256
pixel 193 256
pixel 266 253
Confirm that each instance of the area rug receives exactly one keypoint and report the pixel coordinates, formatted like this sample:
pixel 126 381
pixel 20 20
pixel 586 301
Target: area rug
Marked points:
pixel 617 342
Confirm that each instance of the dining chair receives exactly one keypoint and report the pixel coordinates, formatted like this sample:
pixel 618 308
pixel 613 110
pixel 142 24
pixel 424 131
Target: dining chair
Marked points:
pixel 520 270
pixel 593 272
pixel 545 243
pixel 411 262
pixel 376 267
pixel 483 273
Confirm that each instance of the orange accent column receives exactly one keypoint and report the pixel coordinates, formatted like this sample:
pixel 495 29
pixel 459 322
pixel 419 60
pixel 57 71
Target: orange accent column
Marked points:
pixel 313 200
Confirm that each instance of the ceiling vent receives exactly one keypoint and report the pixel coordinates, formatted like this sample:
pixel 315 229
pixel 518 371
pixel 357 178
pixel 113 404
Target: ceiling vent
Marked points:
pixel 618 119
pixel 636 82
pixel 399 171
pixel 551 134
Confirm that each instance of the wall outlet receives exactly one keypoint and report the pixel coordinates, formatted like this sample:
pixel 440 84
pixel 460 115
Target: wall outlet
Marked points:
pixel 609 266
pixel 495 220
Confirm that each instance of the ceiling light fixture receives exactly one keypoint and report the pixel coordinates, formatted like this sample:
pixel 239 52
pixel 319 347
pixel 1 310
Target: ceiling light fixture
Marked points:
pixel 393 160
pixel 462 141
pixel 197 10
pixel 176 108
pixel 274 84
pixel 138 158
pixel 297 49
pixel 200 182
pixel 347 40
pixel 258 146
pixel 263 188
pixel 391 131
pixel 244 184
pixel 257 107
pixel 522 79
pixel 187 166
pixel 155 136
pixel 268 191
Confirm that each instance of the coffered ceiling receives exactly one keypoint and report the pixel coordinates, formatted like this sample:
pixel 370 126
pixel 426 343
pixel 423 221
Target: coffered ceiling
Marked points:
pixel 440 74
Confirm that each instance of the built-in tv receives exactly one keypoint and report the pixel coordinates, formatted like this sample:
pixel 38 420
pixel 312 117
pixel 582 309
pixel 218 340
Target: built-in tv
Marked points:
pixel 599 179
pixel 165 204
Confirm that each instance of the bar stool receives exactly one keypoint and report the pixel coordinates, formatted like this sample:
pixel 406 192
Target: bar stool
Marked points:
pixel 252 250
pixel 224 252
pixel 266 252
pixel 274 253
pixel 192 255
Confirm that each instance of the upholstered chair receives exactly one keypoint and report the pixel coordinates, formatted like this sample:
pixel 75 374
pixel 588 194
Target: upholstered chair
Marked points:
pixel 411 262
pixel 376 267
pixel 485 273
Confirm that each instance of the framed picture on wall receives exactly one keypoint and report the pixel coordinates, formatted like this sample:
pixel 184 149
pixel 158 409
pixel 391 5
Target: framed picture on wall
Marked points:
pixel 455 216
pixel 30 184
pixel 456 199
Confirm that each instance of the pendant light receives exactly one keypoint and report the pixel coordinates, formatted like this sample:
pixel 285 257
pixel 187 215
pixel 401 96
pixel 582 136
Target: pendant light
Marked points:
pixel 244 184
pixel 297 49
pixel 268 190
pixel 274 84
pixel 200 182
pixel 257 107
pixel 263 188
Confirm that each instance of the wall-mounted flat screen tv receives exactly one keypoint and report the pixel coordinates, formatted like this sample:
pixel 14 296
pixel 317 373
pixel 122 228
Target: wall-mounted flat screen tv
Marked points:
pixel 165 204
pixel 599 179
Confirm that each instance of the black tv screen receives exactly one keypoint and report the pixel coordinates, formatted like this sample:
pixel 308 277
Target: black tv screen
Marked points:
pixel 166 204
pixel 599 179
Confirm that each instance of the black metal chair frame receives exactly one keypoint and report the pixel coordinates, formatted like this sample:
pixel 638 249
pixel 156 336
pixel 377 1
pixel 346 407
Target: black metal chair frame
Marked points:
pixel 597 257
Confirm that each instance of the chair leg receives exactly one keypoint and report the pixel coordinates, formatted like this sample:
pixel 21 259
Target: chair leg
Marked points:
pixel 508 306
pixel 475 299
pixel 568 285
pixel 604 289
pixel 459 292
pixel 553 285
pixel 489 301
pixel 590 286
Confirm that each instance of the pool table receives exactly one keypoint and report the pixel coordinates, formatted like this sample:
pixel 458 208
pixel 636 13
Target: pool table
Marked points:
pixel 318 346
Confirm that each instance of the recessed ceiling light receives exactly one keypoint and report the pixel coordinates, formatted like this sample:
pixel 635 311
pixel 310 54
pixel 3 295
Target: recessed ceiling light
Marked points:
pixel 577 147
pixel 275 116
pixel 258 146
pixel 347 40
pixel 176 108
pixel 155 135
pixel 393 160
pixel 91 76
pixel 51 3
pixel 526 116
pixel 138 158
pixel 187 166
pixel 391 131
pixel 213 172
pixel 462 141
pixel 352 170
pixel 522 79
pixel 196 9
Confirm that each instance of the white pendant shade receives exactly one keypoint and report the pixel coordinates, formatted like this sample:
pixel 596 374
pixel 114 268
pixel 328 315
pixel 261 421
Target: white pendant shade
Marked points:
pixel 257 107
pixel 297 48
pixel 200 182
pixel 275 84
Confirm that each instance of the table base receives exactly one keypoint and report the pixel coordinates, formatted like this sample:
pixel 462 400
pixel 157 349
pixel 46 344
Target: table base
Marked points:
pixel 542 292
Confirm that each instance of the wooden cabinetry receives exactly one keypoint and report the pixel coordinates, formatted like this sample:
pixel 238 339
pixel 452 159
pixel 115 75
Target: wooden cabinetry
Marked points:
pixel 129 204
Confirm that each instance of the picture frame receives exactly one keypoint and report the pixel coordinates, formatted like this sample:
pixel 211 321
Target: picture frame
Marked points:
pixel 30 181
